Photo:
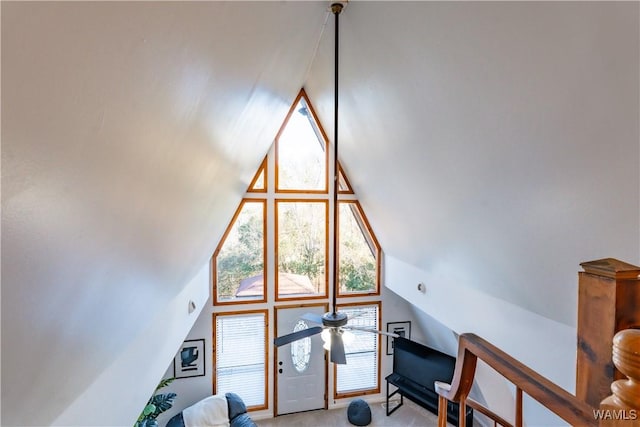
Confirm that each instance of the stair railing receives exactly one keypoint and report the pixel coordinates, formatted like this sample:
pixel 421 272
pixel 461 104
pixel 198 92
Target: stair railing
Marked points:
pixel 556 399
pixel 622 408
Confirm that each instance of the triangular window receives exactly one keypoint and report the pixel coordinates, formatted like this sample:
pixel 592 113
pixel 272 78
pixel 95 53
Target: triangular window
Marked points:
pixel 259 181
pixel 301 155
pixel 344 187
pixel 358 251
pixel 238 263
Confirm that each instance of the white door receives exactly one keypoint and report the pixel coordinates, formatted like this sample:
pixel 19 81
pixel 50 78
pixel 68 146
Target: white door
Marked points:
pixel 301 365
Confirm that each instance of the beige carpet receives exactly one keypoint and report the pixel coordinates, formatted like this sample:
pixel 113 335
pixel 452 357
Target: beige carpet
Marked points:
pixel 409 415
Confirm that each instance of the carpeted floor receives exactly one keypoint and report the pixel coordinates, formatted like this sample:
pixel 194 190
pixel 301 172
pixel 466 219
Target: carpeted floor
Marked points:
pixel 409 415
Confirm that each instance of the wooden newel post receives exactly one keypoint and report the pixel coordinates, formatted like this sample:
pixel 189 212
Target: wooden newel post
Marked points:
pixel 608 302
pixel 622 408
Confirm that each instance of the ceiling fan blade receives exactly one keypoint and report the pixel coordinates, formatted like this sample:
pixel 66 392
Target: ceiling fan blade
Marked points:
pixel 375 331
pixel 313 318
pixel 295 336
pixel 337 349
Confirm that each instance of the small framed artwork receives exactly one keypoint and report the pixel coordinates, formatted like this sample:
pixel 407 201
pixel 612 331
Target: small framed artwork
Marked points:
pixel 401 328
pixel 189 362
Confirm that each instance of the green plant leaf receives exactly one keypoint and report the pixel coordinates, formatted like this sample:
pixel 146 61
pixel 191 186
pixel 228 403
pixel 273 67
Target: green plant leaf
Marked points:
pixel 165 382
pixel 157 404
pixel 162 403
pixel 149 409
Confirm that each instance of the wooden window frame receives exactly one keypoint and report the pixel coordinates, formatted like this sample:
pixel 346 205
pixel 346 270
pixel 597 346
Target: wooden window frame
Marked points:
pixel 214 258
pixel 265 312
pixel 264 169
pixel 376 390
pixel 278 298
pixel 302 95
pixel 378 251
pixel 343 175
pixel 270 196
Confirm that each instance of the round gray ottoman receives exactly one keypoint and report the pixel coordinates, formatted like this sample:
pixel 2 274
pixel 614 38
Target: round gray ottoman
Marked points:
pixel 359 413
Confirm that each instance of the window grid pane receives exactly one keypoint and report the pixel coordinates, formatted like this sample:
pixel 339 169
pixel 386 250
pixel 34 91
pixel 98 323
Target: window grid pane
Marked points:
pixel 302 160
pixel 358 252
pixel 240 356
pixel 361 371
pixel 302 248
pixel 240 259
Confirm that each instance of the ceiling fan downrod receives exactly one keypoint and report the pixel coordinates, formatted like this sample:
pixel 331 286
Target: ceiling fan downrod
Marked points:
pixel 341 318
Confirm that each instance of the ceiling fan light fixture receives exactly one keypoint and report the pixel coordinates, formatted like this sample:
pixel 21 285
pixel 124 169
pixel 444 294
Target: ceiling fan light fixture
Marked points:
pixel 326 339
pixel 347 337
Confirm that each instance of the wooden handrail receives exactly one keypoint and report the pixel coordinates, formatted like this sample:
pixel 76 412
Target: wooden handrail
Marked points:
pixel 497 419
pixel 556 399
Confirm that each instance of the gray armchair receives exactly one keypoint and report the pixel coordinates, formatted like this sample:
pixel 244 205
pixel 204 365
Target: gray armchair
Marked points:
pixel 238 416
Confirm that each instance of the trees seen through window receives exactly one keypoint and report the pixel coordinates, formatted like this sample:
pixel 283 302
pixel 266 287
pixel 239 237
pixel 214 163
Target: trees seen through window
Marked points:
pixel 276 248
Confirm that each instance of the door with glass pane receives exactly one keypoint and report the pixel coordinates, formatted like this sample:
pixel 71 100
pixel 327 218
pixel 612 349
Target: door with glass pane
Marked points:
pixel 300 366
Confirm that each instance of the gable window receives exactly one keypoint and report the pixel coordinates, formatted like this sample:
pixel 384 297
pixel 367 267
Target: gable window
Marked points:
pixel 275 254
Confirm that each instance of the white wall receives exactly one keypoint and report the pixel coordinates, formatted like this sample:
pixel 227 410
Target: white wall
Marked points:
pixel 166 326
pixel 194 389
pixel 495 139
pixel 494 147
pixel 129 133
pixel 544 345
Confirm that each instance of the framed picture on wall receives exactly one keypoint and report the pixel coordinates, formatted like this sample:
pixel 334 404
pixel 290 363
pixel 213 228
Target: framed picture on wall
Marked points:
pixel 401 328
pixel 189 362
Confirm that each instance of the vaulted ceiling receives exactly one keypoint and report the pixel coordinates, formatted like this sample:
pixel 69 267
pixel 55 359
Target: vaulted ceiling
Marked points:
pixel 494 142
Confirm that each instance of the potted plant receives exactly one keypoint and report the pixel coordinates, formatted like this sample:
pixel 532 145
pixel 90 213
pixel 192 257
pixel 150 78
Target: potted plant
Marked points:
pixel 157 404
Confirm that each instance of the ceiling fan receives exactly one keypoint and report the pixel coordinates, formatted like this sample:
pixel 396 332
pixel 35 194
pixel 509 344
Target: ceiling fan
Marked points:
pixel 332 325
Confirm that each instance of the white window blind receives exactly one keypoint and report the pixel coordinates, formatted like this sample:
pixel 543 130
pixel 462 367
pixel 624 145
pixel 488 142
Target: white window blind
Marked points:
pixel 240 356
pixel 361 371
